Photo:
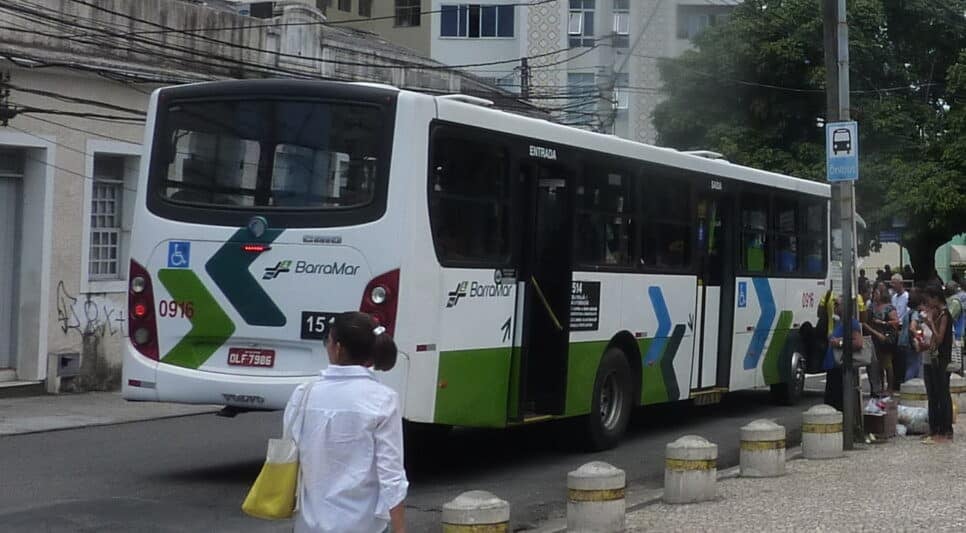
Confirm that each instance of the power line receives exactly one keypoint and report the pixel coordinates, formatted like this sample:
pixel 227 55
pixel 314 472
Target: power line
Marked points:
pixel 22 109
pixel 81 130
pixel 26 155
pixel 262 68
pixel 74 99
pixel 317 23
pixel 323 60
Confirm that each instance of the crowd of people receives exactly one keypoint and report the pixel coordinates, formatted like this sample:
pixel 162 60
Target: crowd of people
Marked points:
pixel 912 331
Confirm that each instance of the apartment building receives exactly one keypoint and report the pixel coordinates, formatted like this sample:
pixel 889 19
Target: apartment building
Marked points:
pixel 592 63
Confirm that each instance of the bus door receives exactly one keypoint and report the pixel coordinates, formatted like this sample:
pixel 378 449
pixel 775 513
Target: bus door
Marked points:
pixel 714 316
pixel 543 307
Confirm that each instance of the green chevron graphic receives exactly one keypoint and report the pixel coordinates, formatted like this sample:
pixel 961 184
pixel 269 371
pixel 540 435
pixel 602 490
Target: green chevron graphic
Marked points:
pixel 210 326
pixel 228 268
pixel 770 368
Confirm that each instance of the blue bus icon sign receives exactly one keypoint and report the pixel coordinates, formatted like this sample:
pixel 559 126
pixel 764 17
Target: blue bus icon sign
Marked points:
pixel 842 151
pixel 179 254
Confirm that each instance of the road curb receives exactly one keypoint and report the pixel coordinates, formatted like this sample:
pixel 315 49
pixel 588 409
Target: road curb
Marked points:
pixel 15 433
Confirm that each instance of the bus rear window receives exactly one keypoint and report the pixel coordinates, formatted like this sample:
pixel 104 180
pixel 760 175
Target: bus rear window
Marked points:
pixel 271 154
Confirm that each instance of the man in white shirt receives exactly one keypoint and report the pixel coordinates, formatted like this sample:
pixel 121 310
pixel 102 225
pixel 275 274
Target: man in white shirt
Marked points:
pixel 900 296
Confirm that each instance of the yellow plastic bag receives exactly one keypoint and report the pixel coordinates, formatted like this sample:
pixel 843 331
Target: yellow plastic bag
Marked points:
pixel 272 496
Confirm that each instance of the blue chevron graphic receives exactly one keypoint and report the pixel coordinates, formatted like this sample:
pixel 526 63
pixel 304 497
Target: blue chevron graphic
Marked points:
pixel 656 349
pixel 767 303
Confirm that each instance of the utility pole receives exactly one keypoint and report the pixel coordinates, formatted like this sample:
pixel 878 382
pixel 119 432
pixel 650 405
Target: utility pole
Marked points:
pixel 605 81
pixel 524 79
pixel 7 112
pixel 837 91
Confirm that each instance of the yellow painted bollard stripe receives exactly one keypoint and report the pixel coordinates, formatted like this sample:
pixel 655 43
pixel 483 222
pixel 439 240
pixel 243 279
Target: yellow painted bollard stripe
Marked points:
pixel 502 527
pixel 822 428
pixel 690 464
pixel 602 495
pixel 762 445
pixel 913 396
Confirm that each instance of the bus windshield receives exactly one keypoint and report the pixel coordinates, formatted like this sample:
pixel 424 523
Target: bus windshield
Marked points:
pixel 270 154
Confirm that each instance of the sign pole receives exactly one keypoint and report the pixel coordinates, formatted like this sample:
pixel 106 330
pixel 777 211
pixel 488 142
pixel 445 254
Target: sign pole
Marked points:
pixel 844 140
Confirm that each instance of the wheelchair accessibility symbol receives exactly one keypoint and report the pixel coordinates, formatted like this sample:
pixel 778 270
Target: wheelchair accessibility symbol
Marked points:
pixel 742 294
pixel 179 254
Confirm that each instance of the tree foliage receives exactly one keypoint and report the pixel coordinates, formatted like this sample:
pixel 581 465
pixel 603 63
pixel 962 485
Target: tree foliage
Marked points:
pixel 753 88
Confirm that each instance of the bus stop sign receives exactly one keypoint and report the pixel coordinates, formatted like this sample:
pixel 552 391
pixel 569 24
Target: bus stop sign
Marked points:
pixel 842 151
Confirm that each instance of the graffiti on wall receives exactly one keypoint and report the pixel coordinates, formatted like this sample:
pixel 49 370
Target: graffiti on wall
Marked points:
pixel 91 316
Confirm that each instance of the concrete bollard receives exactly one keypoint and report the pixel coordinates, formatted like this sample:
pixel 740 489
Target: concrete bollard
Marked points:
pixel 822 433
pixel 690 470
pixel 595 498
pixel 762 449
pixel 913 393
pixel 476 511
pixel 957 388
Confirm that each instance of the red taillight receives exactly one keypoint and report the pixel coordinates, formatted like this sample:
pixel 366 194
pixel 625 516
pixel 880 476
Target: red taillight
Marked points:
pixel 381 298
pixel 256 248
pixel 142 327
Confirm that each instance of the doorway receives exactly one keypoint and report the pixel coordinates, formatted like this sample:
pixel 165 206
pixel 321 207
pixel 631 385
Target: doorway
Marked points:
pixel 716 288
pixel 11 200
pixel 545 257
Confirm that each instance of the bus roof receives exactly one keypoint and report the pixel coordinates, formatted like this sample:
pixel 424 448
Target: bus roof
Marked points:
pixel 459 111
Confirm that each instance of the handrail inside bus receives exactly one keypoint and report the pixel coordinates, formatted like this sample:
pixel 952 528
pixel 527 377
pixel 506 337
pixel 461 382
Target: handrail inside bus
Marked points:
pixel 546 304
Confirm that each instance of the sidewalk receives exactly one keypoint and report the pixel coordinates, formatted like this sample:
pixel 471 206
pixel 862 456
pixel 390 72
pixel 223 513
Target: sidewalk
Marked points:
pixel 34 414
pixel 899 485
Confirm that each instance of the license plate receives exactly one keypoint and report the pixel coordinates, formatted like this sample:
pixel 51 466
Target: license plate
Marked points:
pixel 251 357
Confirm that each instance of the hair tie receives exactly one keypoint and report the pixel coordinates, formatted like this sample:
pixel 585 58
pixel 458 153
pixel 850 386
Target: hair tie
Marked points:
pixel 379 330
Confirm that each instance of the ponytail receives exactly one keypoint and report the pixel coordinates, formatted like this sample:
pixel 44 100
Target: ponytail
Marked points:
pixel 383 352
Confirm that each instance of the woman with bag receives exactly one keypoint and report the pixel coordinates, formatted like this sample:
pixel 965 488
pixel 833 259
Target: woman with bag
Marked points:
pixel 939 351
pixel 883 325
pixel 350 442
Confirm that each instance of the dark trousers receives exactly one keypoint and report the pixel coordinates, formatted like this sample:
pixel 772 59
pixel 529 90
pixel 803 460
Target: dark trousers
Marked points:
pixel 940 403
pixel 833 387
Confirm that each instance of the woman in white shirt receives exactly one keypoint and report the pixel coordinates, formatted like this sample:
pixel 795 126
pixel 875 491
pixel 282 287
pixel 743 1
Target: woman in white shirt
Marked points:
pixel 351 442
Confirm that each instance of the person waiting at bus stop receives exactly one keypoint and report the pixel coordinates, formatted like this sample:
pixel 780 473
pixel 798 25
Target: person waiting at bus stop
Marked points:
pixel 833 309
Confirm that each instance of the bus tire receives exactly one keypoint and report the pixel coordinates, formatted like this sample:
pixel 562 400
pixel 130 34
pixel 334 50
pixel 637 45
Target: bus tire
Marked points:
pixel 611 403
pixel 790 392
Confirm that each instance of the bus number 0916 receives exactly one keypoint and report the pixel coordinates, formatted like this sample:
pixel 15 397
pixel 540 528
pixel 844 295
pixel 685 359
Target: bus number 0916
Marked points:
pixel 175 309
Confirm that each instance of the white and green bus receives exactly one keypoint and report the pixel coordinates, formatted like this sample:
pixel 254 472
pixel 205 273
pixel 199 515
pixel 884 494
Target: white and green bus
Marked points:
pixel 527 270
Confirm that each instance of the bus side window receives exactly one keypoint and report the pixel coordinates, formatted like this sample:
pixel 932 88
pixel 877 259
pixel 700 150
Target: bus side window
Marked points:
pixel 814 240
pixel 786 236
pixel 754 233
pixel 666 241
pixel 469 200
pixel 605 225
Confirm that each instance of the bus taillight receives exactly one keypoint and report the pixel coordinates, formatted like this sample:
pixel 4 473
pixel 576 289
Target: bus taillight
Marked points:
pixel 140 317
pixel 380 299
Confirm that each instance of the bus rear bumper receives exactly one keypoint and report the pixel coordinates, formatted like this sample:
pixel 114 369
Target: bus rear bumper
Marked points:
pixel 147 380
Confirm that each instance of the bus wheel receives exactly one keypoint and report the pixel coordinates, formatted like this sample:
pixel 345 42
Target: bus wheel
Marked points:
pixel 790 393
pixel 611 402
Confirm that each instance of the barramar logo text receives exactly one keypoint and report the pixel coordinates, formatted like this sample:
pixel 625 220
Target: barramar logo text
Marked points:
pixel 473 289
pixel 304 267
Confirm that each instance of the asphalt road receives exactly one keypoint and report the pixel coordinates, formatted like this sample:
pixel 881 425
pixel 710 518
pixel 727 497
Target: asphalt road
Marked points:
pixel 191 473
